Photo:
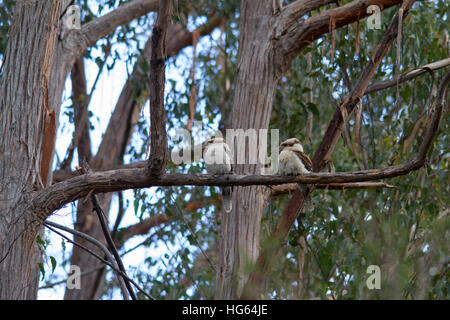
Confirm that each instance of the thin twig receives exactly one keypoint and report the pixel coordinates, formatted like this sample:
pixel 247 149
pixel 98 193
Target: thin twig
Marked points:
pixel 84 236
pixel 101 246
pixel 112 247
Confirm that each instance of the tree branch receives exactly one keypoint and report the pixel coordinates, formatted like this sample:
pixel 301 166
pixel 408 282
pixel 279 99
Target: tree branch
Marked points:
pixel 61 175
pixel 100 27
pixel 294 11
pixel 406 76
pixel 111 263
pixel 80 99
pixel 292 187
pixel 291 41
pixel 54 197
pixel 59 194
pixel 348 105
pixel 158 134
pixel 145 225
pixel 141 227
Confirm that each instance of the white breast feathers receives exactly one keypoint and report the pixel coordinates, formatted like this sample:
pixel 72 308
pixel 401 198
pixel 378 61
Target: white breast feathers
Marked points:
pixel 217 158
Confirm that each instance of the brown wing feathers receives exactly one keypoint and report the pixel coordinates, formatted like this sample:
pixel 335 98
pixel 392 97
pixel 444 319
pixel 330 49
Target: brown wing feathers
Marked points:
pixel 305 159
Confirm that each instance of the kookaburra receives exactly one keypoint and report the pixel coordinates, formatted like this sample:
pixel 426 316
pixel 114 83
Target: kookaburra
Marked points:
pixel 217 157
pixel 293 162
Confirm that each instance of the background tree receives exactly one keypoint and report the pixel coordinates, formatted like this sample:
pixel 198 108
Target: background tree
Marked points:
pixel 251 64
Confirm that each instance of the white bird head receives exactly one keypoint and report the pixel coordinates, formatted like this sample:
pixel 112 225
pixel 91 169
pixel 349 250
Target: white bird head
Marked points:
pixel 293 144
pixel 215 142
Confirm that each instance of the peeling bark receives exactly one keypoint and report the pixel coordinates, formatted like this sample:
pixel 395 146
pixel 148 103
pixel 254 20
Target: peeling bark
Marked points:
pixel 24 104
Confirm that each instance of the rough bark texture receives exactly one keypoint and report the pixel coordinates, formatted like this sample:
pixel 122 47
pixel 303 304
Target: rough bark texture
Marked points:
pixel 25 108
pixel 252 103
pixel 158 134
pixel 39 57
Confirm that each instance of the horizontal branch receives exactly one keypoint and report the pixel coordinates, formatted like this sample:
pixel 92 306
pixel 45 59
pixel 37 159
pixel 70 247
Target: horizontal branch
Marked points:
pixel 46 201
pixel 61 175
pixel 292 187
pixel 59 194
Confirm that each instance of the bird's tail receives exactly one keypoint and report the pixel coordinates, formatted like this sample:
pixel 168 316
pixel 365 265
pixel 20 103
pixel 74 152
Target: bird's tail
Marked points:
pixel 226 198
pixel 306 190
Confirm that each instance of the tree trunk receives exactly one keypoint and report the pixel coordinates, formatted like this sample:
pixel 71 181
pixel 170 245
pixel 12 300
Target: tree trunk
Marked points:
pixel 27 124
pixel 239 235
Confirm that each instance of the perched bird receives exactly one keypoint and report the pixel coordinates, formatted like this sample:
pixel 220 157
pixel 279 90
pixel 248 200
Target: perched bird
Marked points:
pixel 294 162
pixel 217 157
